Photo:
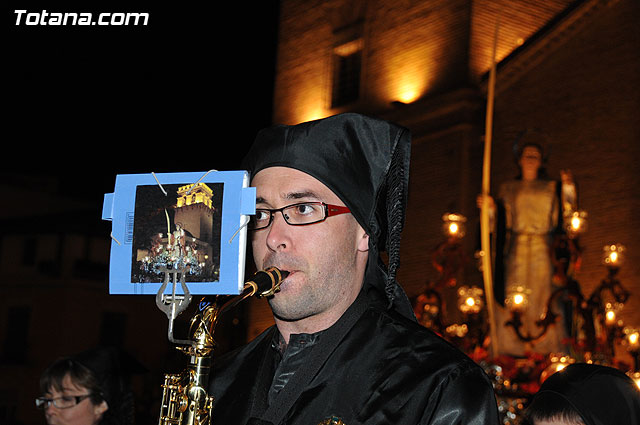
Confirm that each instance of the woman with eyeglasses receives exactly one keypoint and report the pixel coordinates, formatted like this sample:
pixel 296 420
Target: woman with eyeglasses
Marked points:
pixel 86 389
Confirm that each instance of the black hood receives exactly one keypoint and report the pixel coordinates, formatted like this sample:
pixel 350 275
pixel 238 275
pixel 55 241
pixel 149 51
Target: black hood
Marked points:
pixel 365 162
pixel 601 395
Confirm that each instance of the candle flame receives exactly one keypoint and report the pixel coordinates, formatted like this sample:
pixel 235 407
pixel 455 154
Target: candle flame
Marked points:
pixel 636 378
pixel 575 223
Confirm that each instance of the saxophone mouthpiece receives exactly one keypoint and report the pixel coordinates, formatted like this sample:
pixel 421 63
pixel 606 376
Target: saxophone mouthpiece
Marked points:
pixel 267 282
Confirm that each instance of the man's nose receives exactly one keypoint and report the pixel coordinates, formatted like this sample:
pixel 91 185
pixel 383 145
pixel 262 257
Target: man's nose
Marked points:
pixel 278 238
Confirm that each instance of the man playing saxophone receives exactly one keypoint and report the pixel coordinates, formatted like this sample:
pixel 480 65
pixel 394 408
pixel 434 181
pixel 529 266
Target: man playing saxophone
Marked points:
pixel 345 348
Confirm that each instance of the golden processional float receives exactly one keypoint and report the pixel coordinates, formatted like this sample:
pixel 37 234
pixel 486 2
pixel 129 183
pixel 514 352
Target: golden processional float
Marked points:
pixel 459 312
pixel 465 315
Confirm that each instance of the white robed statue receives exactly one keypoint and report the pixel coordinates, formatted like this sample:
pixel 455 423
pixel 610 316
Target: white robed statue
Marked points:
pixel 528 210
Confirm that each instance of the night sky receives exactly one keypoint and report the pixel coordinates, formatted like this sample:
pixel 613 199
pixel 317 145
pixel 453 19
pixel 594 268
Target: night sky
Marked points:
pixel 187 92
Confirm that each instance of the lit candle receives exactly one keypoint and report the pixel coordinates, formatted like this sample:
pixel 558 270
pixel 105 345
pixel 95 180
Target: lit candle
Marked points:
pixel 613 255
pixel 517 298
pixel 457 330
pixel 557 362
pixel 610 317
pixel 454 225
pixel 576 223
pixel 632 337
pixel 470 299
pixel 609 314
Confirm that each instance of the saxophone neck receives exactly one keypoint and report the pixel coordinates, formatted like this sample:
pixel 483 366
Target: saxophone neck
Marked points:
pixel 202 329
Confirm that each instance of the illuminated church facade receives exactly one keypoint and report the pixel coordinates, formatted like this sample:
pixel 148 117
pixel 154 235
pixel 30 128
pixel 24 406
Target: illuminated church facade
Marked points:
pixel 566 68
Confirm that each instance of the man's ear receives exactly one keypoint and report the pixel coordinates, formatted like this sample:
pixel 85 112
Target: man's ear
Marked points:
pixel 363 243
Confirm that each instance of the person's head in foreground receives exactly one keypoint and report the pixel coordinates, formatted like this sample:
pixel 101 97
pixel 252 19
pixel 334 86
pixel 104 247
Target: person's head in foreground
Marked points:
pixel 585 394
pixel 331 194
pixel 346 346
pixel 86 389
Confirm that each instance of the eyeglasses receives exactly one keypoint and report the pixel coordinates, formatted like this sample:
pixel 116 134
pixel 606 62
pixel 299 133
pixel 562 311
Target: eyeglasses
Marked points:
pixel 299 214
pixel 64 402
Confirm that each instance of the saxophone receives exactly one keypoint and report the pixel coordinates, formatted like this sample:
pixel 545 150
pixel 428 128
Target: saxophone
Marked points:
pixel 185 400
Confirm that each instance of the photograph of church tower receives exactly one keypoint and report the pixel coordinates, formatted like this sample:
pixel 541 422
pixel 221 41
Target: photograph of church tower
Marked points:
pixel 177 232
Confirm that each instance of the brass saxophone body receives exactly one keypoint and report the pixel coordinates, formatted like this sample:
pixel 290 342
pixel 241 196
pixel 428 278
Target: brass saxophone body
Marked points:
pixel 185 400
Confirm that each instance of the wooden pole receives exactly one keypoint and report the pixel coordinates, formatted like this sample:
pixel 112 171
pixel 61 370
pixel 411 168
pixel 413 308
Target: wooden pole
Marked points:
pixel 484 211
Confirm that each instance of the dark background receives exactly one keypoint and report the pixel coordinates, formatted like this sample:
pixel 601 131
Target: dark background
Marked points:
pixel 187 92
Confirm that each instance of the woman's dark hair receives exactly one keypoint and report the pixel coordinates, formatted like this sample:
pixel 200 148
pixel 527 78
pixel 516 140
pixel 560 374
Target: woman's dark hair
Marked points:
pixel 99 371
pixel 587 394
pixel 551 407
pixel 80 375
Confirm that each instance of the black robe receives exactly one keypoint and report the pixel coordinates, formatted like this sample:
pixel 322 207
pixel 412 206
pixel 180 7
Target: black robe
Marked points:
pixel 376 364
pixel 373 366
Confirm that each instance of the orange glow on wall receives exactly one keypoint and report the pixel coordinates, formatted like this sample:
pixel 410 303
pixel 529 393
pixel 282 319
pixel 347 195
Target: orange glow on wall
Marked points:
pixel 408 80
pixel 308 99
pixel 408 94
pixel 312 114
pixel 407 73
pixel 311 102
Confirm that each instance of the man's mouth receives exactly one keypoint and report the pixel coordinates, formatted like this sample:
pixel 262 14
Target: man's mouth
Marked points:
pixel 290 273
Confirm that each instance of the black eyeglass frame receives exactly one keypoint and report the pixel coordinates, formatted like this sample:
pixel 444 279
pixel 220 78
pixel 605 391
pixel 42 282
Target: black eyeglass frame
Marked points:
pixel 329 211
pixel 44 402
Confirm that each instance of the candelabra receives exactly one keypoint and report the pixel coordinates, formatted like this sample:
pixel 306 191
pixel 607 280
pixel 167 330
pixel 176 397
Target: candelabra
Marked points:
pixel 517 302
pixel 596 318
pixel 430 308
pixel 608 299
pixel 603 306
pixel 449 256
